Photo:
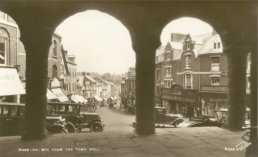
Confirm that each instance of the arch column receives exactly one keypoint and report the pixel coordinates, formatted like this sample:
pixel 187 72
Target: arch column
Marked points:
pixel 237 88
pixel 145 46
pixel 253 80
pixel 36 42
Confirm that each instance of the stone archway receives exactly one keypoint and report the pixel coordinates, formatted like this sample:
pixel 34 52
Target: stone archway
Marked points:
pixel 144 21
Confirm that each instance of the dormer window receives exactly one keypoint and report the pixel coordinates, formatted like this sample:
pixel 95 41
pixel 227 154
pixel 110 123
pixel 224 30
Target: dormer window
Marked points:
pixel 215 45
pixel 188 46
pixel 218 45
pixel 188 62
pixel 167 56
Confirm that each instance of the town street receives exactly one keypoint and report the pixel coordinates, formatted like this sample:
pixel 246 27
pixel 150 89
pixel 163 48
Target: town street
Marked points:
pixel 115 119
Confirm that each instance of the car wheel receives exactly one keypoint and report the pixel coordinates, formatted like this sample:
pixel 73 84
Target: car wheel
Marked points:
pixel 96 127
pixel 70 127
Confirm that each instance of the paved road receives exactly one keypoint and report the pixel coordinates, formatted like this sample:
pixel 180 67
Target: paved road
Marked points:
pixel 115 119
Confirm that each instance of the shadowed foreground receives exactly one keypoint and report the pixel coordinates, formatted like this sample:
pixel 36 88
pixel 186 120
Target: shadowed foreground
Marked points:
pixel 179 142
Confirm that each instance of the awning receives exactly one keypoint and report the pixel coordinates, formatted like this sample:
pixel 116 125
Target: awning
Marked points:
pixel 50 95
pixel 78 99
pixel 75 99
pixel 60 94
pixel 98 98
pixel 82 99
pixel 10 83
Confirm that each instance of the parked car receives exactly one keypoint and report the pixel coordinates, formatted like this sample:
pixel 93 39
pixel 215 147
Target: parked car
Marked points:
pixel 162 118
pixel 57 124
pixel 205 121
pixel 12 120
pixel 72 113
pixel 217 120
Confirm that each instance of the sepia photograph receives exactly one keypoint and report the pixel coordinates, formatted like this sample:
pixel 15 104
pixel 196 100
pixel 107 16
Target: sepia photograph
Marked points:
pixel 128 78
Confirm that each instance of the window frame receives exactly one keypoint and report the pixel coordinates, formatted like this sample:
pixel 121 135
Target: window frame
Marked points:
pixel 216 83
pixel 186 85
pixel 4 51
pixel 188 61
pixel 169 70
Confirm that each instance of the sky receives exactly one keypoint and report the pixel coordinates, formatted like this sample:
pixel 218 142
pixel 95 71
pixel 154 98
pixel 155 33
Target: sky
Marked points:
pixel 103 44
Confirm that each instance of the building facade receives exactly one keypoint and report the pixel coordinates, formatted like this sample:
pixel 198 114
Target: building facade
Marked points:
pixel 128 91
pixel 184 66
pixel 9 41
pixel 194 79
pixel 68 73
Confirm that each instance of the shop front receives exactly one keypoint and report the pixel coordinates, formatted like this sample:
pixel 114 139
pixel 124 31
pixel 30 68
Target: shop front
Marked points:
pixel 10 85
pixel 213 98
pixel 179 100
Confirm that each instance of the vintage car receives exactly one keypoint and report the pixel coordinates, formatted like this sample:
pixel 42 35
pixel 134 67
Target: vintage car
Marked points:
pixel 217 120
pixel 164 119
pixel 57 124
pixel 12 120
pixel 72 113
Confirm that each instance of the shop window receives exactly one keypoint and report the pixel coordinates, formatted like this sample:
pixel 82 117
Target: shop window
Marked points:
pixel 2 51
pixel 215 80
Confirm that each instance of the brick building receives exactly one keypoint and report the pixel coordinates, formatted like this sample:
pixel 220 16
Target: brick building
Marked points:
pixel 191 74
pixel 9 41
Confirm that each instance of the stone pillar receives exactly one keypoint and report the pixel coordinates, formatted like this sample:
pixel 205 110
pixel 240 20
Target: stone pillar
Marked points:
pixel 237 88
pixel 145 47
pixel 36 42
pixel 253 81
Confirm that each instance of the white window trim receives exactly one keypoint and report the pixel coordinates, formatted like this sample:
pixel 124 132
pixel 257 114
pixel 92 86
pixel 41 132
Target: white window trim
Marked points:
pixel 170 69
pixel 5 56
pixel 167 85
pixel 187 65
pixel 188 46
pixel 191 81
